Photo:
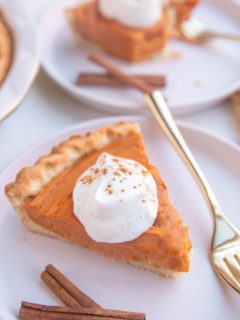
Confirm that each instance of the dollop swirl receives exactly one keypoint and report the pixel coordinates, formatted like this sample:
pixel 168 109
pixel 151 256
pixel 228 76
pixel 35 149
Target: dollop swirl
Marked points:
pixel 115 199
pixel 132 13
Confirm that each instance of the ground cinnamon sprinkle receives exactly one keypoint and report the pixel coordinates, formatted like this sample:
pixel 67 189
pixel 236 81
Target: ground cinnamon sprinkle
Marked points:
pixel 104 171
pixel 124 170
pixel 96 171
pixel 109 189
pixel 87 179
pixel 144 172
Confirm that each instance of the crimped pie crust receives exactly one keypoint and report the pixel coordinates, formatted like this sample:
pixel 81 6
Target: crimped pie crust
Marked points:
pixel 6 48
pixel 31 180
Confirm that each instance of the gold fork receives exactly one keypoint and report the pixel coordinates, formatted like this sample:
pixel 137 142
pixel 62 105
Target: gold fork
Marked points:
pixel 195 31
pixel 225 248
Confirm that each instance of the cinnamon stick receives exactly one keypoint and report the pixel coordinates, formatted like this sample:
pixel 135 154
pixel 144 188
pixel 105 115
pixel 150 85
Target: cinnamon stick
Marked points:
pixel 107 79
pixel 30 311
pixel 127 79
pixel 59 290
pixel 65 290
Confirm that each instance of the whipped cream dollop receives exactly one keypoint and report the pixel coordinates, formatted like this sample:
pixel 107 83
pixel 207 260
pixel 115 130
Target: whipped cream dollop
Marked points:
pixel 115 199
pixel 132 13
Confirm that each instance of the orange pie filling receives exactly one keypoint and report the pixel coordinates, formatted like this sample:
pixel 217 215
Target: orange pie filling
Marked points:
pixel 165 245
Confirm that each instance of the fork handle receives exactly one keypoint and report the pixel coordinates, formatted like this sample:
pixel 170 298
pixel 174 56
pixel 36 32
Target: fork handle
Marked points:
pixel 225 36
pixel 162 115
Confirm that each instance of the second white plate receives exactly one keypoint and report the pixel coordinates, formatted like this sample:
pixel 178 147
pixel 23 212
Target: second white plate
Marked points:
pixel 203 76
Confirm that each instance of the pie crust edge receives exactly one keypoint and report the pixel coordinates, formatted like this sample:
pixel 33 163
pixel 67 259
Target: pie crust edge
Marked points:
pixel 29 181
pixel 6 45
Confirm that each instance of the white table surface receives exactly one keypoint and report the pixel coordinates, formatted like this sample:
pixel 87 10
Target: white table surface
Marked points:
pixel 48 109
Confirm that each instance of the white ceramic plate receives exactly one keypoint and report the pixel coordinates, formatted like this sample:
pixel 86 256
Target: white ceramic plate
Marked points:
pixel 197 295
pixel 203 76
pixel 26 56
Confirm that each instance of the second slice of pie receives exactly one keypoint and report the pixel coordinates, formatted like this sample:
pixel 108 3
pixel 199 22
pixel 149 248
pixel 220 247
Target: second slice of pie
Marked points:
pixel 42 196
pixel 126 39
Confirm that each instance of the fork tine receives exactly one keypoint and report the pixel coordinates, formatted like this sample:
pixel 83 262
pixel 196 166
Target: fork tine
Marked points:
pixel 190 26
pixel 196 24
pixel 193 30
pixel 237 257
pixel 232 265
pixel 188 30
pixel 227 275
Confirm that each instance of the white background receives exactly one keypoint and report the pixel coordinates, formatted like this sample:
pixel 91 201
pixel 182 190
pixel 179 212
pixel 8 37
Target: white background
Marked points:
pixel 47 109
